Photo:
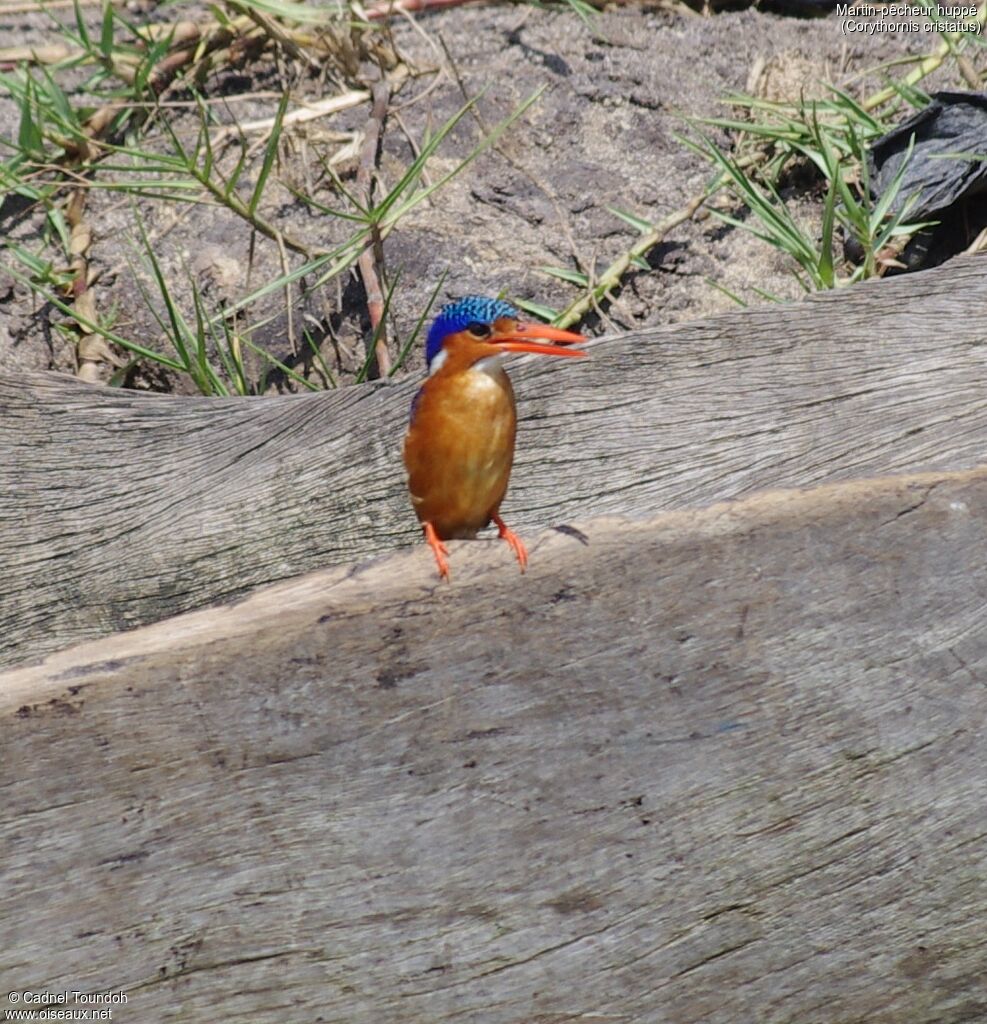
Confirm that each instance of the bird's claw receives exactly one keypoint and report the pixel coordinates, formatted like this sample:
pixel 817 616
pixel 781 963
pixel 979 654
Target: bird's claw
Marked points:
pixel 439 550
pixel 517 545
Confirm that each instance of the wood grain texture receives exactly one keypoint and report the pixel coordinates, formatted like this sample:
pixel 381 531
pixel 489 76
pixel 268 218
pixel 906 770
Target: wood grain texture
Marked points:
pixel 720 766
pixel 118 509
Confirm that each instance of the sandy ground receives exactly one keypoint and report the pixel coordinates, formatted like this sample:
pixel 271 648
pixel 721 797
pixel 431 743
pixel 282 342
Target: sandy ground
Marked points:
pixel 602 134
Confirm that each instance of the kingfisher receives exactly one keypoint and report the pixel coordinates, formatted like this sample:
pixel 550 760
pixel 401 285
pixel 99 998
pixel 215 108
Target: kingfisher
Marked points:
pixel 460 442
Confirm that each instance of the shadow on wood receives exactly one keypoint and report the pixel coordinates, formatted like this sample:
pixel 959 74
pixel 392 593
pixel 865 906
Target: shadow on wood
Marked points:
pixel 118 509
pixel 718 766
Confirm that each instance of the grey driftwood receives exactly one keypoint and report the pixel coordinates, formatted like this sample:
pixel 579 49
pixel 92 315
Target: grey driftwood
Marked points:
pixel 118 509
pixel 722 766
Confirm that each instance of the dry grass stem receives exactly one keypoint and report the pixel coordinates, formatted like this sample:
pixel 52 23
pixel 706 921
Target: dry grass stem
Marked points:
pixel 370 261
pixel 378 12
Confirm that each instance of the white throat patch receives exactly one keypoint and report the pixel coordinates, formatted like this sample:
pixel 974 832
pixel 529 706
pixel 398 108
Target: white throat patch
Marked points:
pixel 492 365
pixel 438 361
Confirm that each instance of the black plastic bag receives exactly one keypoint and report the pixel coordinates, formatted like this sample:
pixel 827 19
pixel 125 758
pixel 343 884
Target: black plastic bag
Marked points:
pixel 954 122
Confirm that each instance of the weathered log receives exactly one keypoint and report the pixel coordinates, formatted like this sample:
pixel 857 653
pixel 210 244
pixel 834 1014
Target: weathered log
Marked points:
pixel 118 509
pixel 721 766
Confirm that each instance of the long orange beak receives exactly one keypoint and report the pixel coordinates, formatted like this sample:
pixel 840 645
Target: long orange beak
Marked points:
pixel 518 340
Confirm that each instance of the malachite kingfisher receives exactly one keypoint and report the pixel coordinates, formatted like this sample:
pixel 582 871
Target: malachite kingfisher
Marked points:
pixel 460 442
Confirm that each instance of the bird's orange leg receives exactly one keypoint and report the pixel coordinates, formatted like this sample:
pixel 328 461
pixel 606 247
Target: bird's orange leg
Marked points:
pixel 506 533
pixel 438 549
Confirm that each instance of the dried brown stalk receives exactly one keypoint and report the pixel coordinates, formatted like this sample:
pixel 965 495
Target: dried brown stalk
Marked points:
pixel 371 261
pixel 387 10
pixel 276 32
pixel 91 349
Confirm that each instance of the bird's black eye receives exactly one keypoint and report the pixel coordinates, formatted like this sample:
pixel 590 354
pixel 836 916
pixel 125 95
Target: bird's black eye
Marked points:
pixel 479 330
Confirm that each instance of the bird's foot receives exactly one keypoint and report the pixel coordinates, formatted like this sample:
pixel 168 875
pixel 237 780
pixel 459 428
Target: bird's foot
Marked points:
pixel 438 549
pixel 517 545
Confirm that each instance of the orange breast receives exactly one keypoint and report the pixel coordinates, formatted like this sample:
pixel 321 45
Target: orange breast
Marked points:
pixel 459 449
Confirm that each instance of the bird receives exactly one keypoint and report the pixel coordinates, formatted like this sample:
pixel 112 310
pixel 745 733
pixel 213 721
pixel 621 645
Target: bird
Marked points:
pixel 459 447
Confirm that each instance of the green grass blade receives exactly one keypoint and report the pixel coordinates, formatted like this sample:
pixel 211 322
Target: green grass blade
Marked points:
pixel 270 153
pixel 106 33
pixel 286 370
pixel 93 327
pixel 30 139
pixel 726 291
pixel 406 348
pixel 638 223
pixel 317 356
pixel 482 146
pixel 825 269
pixel 82 36
pixel 894 188
pixel 545 313
pixel 564 274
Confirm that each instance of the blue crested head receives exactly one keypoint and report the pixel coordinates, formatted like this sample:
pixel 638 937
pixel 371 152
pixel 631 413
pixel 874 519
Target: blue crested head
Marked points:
pixel 457 316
